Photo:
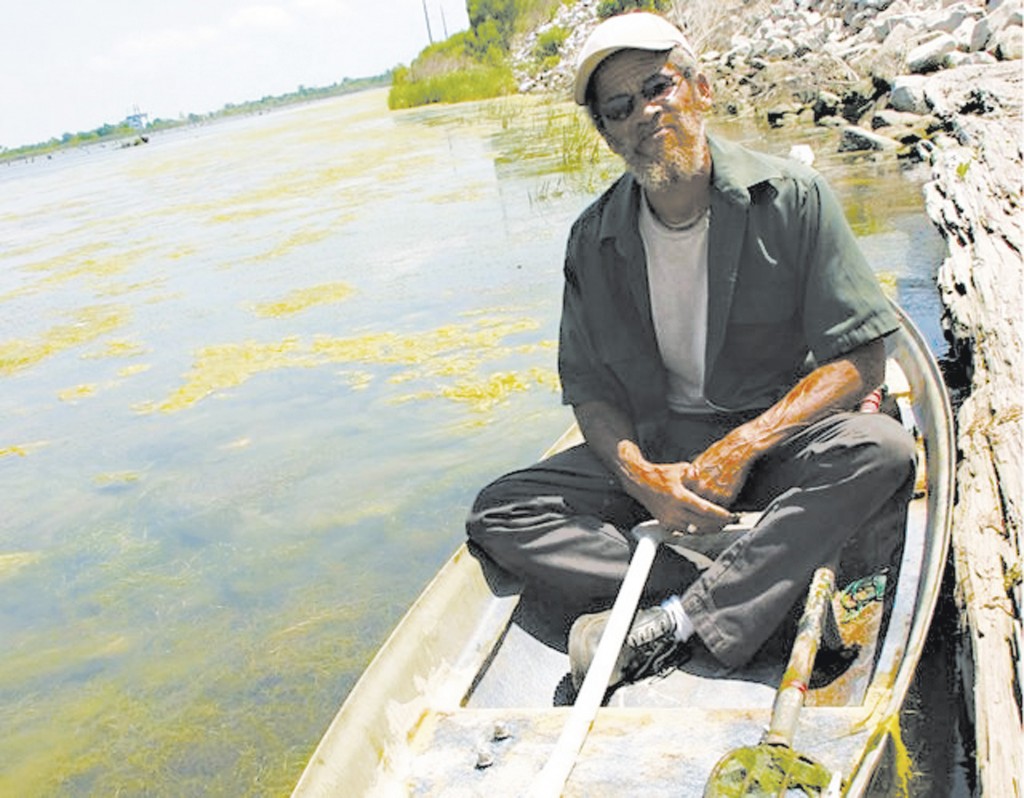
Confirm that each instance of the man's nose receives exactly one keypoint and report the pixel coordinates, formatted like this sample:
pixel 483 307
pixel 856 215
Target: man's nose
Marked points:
pixel 650 110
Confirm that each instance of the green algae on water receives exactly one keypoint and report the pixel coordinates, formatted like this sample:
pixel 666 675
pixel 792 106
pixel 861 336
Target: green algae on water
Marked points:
pixel 87 325
pixel 449 357
pixel 304 298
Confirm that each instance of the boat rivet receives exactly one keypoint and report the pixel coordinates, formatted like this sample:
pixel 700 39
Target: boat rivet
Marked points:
pixel 501 731
pixel 484 758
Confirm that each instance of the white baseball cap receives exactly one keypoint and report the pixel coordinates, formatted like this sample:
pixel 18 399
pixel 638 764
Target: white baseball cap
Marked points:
pixel 633 31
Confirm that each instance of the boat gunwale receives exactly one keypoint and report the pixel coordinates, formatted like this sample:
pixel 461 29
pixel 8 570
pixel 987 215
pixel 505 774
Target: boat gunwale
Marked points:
pixel 938 434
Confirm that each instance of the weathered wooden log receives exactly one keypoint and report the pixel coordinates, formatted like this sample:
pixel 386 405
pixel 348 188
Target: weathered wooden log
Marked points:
pixel 975 199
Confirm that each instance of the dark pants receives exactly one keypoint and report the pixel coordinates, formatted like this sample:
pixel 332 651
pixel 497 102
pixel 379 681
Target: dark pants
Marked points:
pixel 835 493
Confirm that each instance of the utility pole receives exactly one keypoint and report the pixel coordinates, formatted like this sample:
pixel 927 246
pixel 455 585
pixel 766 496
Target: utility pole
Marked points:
pixel 426 16
pixel 444 24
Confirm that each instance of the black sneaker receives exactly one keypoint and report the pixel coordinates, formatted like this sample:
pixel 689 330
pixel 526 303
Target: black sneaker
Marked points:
pixel 650 648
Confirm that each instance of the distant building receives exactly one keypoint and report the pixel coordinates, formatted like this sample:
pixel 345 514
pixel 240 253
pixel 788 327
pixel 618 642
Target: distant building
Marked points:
pixel 136 119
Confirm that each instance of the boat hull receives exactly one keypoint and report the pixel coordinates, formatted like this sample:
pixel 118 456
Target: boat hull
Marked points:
pixel 469 694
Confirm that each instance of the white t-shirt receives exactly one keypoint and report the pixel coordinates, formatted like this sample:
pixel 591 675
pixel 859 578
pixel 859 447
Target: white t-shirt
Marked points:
pixel 677 278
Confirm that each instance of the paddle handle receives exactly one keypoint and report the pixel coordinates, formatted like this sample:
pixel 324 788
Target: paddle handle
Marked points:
pixel 552 778
pixel 789 699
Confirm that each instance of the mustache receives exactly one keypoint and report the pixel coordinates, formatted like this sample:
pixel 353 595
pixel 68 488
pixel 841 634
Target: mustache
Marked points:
pixel 651 127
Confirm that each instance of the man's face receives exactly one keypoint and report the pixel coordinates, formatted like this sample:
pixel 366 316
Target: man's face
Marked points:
pixel 652 117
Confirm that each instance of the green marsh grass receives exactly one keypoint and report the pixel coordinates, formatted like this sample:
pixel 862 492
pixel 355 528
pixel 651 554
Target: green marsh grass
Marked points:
pixel 546 136
pixel 471 83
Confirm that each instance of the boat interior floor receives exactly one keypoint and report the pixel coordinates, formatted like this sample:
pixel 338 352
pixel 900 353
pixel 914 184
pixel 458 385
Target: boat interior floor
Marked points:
pixel 530 668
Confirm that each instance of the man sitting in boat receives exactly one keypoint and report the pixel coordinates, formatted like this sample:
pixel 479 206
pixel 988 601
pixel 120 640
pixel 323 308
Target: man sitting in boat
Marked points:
pixel 719 329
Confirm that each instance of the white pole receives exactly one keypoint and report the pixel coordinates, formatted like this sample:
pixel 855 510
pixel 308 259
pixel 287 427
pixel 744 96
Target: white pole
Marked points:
pixel 552 778
pixel 426 16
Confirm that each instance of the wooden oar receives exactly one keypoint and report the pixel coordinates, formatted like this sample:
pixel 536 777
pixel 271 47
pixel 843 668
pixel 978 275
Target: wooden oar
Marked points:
pixel 552 778
pixel 773 767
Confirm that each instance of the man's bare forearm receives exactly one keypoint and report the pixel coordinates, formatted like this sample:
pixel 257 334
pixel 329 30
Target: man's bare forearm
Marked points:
pixel 832 387
pixel 697 494
pixel 604 427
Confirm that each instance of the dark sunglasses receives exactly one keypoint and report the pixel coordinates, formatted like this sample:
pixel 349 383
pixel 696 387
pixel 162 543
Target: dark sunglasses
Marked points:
pixel 621 106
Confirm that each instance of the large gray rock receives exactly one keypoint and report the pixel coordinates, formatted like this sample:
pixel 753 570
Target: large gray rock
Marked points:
pixel 949 19
pixel 857 139
pixel 931 55
pixel 981 34
pixel 964 34
pixel 999 17
pixel 908 95
pixel 1008 44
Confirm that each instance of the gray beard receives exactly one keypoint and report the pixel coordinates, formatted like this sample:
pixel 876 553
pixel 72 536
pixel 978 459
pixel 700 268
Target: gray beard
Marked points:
pixel 675 167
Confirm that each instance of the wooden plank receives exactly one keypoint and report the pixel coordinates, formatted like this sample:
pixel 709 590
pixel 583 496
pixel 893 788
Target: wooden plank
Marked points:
pixel 974 199
pixel 630 751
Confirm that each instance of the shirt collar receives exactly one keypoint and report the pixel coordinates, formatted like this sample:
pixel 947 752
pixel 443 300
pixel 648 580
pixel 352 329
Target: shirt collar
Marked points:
pixel 734 171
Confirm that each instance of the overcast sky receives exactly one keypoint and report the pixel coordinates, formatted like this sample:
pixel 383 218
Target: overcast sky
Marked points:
pixel 68 66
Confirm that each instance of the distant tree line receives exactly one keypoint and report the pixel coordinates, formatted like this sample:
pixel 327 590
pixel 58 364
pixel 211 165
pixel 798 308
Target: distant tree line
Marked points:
pixel 122 130
pixel 304 94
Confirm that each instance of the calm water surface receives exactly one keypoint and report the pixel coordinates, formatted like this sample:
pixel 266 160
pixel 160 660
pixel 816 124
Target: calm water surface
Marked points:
pixel 251 375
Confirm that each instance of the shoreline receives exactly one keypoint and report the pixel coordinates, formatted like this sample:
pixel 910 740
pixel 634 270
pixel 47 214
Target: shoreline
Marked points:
pixel 974 200
pixel 45 150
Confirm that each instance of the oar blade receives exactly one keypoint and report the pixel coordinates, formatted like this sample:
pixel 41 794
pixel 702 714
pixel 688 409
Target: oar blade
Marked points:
pixel 767 771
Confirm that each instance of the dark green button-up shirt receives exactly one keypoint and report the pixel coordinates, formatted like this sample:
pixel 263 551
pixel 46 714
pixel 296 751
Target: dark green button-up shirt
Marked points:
pixel 787 286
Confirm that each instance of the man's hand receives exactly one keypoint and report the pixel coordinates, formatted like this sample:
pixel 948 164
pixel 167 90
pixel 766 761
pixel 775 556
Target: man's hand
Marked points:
pixel 662 489
pixel 719 472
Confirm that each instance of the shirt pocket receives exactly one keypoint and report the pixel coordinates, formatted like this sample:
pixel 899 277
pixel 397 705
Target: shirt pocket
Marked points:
pixel 766 289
